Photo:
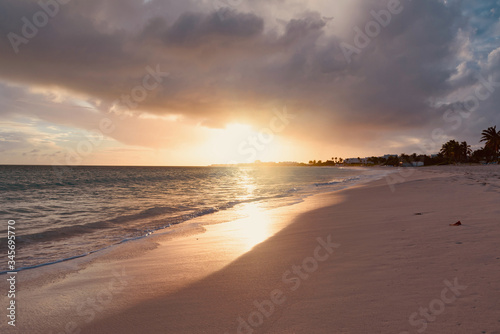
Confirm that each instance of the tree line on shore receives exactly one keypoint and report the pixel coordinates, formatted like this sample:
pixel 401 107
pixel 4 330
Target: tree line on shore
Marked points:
pixel 452 152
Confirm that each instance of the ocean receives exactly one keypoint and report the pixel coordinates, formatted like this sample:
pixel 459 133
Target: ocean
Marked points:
pixel 68 212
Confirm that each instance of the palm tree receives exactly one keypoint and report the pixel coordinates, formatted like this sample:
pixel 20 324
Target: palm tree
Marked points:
pixel 465 151
pixel 451 151
pixel 492 139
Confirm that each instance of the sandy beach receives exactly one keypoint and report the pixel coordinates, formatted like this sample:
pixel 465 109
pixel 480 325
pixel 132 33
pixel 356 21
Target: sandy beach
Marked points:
pixel 378 258
pixel 248 167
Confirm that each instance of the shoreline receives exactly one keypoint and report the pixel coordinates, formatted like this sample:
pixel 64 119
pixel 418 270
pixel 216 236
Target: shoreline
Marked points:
pixel 373 275
pixel 75 278
pixel 208 216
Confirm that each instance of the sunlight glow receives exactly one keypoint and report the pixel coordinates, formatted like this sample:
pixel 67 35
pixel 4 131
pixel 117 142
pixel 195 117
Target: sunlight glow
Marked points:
pixel 255 228
pixel 246 184
pixel 224 143
pixel 240 143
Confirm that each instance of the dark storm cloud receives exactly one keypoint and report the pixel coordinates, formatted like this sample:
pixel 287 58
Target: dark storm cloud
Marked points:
pixel 231 64
pixel 195 28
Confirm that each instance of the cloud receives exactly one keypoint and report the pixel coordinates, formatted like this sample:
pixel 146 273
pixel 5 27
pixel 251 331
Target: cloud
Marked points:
pixel 237 63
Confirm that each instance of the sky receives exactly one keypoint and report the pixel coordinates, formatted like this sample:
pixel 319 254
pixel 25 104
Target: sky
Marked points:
pixel 198 82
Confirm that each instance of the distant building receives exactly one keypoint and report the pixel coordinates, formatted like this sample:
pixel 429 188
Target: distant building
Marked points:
pixel 352 161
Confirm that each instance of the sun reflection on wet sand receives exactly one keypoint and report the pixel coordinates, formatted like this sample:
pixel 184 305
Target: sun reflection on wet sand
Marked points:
pixel 254 228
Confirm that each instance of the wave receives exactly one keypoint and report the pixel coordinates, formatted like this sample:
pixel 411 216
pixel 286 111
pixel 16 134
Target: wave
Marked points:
pixel 48 177
pixel 211 194
pixel 327 183
pixel 158 218
pixel 116 227
pixel 71 257
pixel 336 182
pixel 54 182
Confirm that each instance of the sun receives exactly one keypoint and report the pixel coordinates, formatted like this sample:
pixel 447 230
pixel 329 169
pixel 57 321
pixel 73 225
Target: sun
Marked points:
pixel 223 145
pixel 241 143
